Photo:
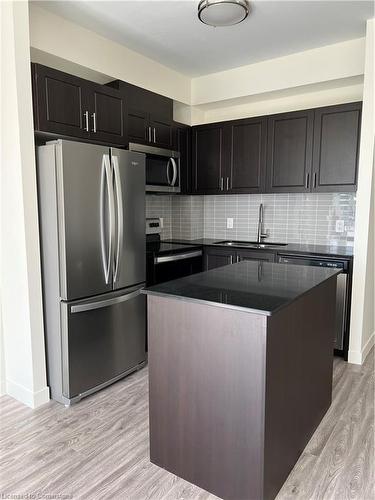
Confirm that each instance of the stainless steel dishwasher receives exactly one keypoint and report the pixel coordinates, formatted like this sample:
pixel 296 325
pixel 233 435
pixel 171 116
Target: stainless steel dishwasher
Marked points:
pixel 342 322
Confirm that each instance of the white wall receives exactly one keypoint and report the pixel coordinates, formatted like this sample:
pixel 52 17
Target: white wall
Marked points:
pixel 311 96
pixel 21 296
pixel 363 301
pixel 61 38
pixel 324 64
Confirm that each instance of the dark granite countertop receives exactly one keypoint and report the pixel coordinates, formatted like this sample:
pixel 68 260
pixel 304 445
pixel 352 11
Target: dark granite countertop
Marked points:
pixel 260 287
pixel 332 251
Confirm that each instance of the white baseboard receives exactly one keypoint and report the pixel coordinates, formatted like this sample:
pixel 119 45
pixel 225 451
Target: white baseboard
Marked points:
pixel 25 396
pixel 358 357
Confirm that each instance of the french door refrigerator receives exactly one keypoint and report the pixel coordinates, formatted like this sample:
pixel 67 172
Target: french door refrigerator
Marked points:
pixel 92 220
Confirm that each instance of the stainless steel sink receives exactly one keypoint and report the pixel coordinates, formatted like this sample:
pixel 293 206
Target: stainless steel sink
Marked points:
pixel 249 244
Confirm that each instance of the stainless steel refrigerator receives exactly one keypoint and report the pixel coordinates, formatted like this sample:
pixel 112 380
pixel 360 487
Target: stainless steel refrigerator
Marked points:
pixel 92 220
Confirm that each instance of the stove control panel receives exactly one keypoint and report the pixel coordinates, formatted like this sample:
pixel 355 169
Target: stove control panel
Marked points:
pixel 153 225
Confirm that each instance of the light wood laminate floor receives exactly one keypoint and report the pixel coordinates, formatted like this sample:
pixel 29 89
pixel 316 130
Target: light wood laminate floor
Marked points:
pixel 98 449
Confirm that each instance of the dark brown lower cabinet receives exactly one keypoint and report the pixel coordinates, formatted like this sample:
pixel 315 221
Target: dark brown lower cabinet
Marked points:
pixel 255 255
pixel 217 257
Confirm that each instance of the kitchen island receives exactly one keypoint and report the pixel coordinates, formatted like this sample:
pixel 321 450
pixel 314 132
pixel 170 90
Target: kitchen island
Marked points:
pixel 240 373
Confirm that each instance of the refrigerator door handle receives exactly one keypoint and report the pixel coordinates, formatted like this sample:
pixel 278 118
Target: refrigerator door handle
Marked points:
pixel 120 218
pixel 106 178
pixel 105 303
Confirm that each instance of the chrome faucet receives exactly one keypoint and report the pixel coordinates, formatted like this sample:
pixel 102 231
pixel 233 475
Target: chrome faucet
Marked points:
pixel 261 235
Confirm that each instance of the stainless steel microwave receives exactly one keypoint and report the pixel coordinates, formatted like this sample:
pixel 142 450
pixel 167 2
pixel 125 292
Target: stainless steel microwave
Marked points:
pixel 162 168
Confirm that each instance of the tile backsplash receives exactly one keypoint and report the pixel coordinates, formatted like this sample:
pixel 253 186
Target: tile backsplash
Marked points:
pixel 309 218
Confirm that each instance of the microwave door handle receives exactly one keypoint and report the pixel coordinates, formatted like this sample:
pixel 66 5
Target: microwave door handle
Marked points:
pixel 174 165
pixel 168 178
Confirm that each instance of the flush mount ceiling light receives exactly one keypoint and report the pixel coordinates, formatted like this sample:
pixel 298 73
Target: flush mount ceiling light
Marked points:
pixel 223 12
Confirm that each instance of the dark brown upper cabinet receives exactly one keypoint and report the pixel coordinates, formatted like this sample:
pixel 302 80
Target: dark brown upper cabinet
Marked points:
pixel 150 115
pixel 289 152
pixel 208 163
pixel 182 143
pixel 107 117
pixel 66 105
pixel 336 147
pixel 60 102
pixel 246 172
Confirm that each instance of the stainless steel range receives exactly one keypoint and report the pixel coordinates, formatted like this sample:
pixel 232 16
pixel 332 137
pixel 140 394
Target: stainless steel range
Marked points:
pixel 167 261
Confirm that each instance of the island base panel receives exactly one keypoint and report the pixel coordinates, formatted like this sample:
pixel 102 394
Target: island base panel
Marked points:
pixel 235 396
pixel 206 371
pixel 300 341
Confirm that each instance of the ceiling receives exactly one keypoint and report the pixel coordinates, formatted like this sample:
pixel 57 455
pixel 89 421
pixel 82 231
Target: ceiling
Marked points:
pixel 170 33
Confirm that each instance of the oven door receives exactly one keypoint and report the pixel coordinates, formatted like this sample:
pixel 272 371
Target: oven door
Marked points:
pixel 170 267
pixel 162 174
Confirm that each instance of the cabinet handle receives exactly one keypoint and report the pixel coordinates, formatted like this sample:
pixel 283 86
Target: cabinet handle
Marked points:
pixel 154 135
pixel 307 180
pixel 315 180
pixel 221 183
pixel 227 183
pixel 86 115
pixel 238 258
pixel 149 134
pixel 94 120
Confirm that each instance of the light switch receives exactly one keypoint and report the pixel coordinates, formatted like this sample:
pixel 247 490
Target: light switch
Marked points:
pixel 229 223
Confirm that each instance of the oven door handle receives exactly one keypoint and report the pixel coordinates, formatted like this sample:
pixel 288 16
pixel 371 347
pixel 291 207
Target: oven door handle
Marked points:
pixel 179 256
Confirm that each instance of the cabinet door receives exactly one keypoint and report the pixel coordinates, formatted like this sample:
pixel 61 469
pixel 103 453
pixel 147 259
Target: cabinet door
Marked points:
pixel 208 177
pixel 254 255
pixel 336 147
pixel 248 156
pixel 182 144
pixel 217 257
pixel 289 152
pixel 138 127
pixel 60 102
pixel 161 134
pixel 107 115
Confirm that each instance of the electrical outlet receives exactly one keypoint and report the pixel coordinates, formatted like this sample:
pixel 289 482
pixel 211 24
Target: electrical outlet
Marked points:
pixel 161 222
pixel 229 223
pixel 340 226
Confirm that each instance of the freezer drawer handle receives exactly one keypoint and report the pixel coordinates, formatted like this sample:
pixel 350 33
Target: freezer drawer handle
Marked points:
pixel 105 303
pixel 181 256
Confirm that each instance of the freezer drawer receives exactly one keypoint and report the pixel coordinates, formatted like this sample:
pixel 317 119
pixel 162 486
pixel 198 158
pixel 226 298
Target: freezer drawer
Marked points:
pixel 103 339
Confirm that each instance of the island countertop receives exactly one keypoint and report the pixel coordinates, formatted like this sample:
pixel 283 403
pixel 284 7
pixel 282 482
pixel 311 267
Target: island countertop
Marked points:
pixel 259 287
